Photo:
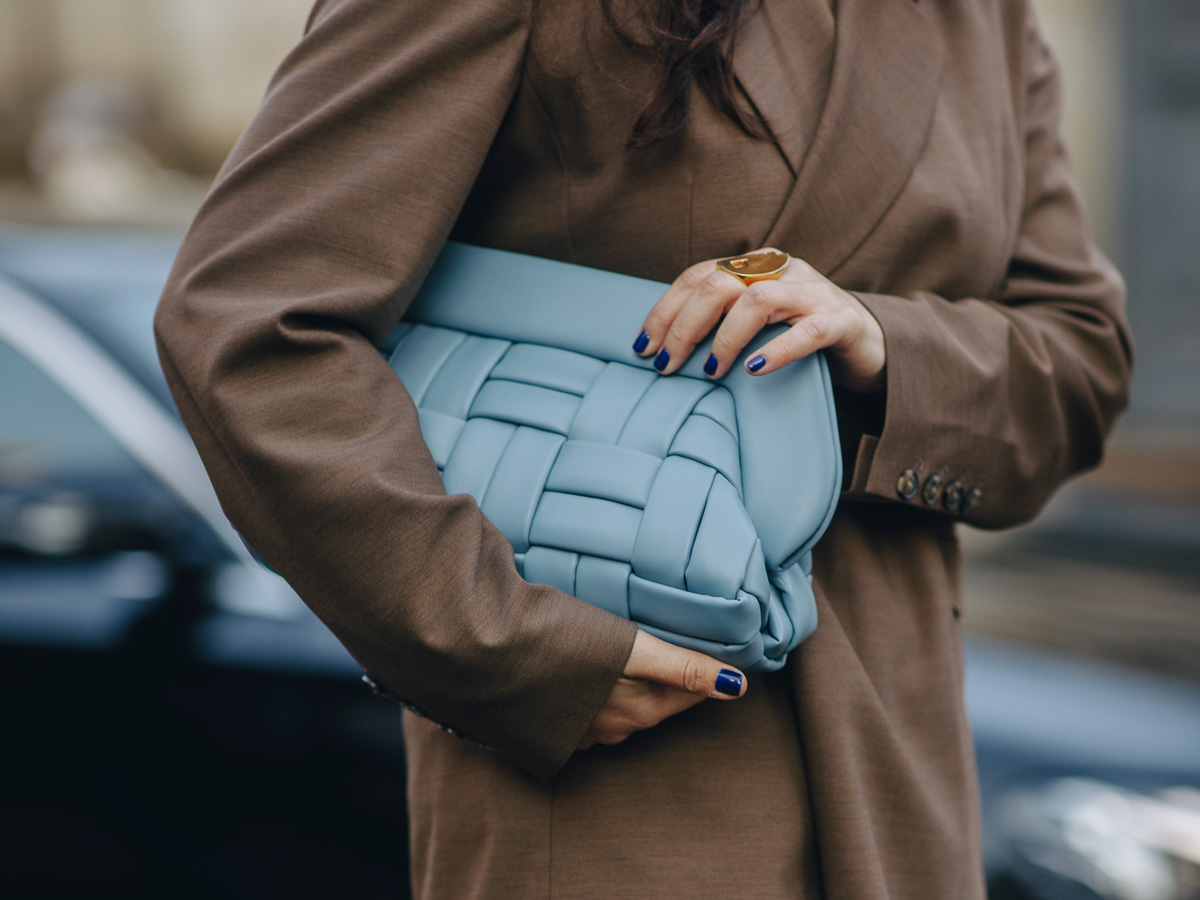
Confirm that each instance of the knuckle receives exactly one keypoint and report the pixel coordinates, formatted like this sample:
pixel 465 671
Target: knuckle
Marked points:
pixel 712 286
pixel 693 276
pixel 678 344
pixel 760 297
pixel 722 347
pixel 693 677
pixel 850 323
pixel 787 346
pixel 656 321
pixel 815 328
pixel 682 334
pixel 725 346
pixel 614 733
pixel 804 269
pixel 641 720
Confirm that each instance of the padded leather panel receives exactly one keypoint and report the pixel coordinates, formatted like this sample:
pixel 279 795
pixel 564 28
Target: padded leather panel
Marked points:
pixel 688 505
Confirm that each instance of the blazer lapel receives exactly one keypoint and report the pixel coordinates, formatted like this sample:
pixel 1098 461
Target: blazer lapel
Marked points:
pixel 782 63
pixel 887 68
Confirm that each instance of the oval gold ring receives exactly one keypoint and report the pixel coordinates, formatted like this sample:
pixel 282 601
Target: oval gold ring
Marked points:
pixel 761 265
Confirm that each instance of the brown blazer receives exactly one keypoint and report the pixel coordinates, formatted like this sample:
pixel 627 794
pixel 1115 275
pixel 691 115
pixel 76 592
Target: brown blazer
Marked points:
pixel 918 163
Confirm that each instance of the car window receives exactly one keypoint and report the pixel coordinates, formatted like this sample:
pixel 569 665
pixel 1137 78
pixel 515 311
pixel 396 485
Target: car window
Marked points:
pixel 107 283
pixel 64 480
pixel 44 434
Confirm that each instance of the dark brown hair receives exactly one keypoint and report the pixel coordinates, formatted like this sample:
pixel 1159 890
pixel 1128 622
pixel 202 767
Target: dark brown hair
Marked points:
pixel 693 40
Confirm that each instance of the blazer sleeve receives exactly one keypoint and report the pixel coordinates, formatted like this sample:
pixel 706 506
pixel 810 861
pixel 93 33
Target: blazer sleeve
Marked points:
pixel 313 240
pixel 1006 396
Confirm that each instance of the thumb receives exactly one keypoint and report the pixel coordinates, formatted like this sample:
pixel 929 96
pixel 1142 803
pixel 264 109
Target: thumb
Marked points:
pixel 685 670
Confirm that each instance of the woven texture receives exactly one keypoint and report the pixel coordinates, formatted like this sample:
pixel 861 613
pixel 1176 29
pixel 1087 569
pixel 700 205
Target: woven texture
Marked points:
pixel 613 483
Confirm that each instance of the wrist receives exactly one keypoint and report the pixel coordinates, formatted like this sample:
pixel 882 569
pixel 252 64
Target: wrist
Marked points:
pixel 862 366
pixel 875 351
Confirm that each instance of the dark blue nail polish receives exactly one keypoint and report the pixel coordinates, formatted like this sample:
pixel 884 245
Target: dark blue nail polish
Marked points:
pixel 757 363
pixel 660 361
pixel 643 340
pixel 729 682
pixel 710 365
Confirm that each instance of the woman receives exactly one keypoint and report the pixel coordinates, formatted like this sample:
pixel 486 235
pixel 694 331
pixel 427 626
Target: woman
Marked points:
pixel 911 166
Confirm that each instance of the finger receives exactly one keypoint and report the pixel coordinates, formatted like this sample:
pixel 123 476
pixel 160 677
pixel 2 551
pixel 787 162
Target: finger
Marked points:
pixel 685 670
pixel 650 707
pixel 759 305
pixel 658 321
pixel 697 317
pixel 671 701
pixel 810 334
pixel 634 705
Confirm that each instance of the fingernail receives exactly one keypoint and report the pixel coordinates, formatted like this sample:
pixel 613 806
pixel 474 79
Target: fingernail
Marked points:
pixel 643 341
pixel 710 365
pixel 729 682
pixel 757 363
pixel 660 361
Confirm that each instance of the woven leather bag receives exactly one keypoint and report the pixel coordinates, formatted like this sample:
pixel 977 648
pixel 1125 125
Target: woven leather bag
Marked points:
pixel 687 505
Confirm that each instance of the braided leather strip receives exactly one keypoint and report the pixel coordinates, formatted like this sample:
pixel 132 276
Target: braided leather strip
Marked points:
pixel 613 483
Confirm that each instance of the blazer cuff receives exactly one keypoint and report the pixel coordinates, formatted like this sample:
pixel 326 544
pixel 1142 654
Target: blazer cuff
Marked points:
pixel 918 458
pixel 541 705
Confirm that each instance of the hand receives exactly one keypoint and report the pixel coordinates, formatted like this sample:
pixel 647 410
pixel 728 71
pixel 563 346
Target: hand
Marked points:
pixel 660 680
pixel 821 314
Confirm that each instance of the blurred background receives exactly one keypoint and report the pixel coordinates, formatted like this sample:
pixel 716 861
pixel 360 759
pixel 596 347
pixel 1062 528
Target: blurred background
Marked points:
pixel 179 722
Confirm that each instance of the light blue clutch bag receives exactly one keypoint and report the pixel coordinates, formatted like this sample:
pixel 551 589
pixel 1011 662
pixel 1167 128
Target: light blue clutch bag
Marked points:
pixel 688 505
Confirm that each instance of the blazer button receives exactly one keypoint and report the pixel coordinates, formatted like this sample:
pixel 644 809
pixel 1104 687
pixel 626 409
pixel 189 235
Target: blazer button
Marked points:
pixel 972 502
pixel 932 490
pixel 952 497
pixel 907 484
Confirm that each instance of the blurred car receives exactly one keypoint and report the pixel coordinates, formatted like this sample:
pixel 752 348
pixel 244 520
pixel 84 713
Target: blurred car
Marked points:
pixel 125 592
pixel 101 491
pixel 177 723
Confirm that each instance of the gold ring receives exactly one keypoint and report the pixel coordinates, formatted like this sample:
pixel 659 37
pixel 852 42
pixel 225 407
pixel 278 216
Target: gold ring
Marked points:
pixel 761 265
